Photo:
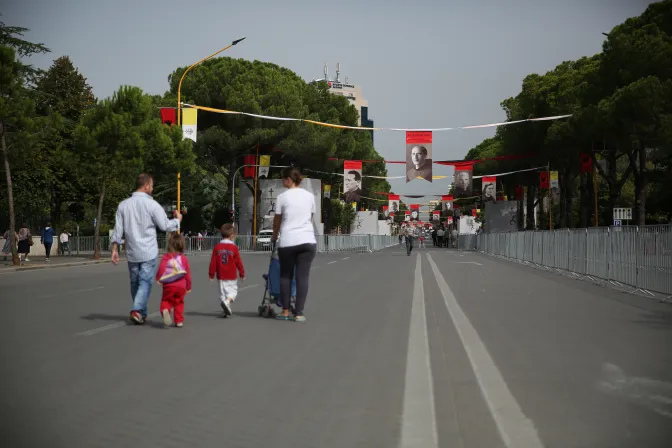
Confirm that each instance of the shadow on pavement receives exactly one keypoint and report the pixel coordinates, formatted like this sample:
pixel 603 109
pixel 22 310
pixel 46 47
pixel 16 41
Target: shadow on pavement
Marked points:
pixel 656 320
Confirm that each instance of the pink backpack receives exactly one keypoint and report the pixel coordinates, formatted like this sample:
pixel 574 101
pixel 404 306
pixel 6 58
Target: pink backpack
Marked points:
pixel 174 270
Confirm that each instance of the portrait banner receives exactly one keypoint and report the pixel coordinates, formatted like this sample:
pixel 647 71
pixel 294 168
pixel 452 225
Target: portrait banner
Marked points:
pixel 393 203
pixel 436 215
pixel 386 210
pixel 327 191
pixel 407 216
pixel 419 155
pixel 446 203
pixel 489 188
pixel 352 180
pixel 463 177
pixel 449 220
pixel 415 212
pixel 264 166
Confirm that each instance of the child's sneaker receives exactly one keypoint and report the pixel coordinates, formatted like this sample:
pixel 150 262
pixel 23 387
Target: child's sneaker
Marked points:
pixel 166 318
pixel 179 324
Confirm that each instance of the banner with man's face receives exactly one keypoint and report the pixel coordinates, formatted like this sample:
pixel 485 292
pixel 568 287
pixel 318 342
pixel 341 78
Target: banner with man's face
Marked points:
pixel 352 180
pixel 489 188
pixel 462 184
pixel 415 212
pixel 446 202
pixel 436 215
pixel 418 155
pixel 386 210
pixel 393 202
pixel 407 216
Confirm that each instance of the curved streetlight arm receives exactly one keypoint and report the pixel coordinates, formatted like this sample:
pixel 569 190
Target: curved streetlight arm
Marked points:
pixel 179 85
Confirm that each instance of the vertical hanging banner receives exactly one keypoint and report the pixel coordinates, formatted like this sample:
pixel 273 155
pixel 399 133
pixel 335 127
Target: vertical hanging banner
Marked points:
pixel 407 215
pixel 463 175
pixel 489 186
pixel 415 212
pixel 446 203
pixel 474 212
pixel 544 183
pixel 436 215
pixel 449 220
pixel 264 166
pixel 519 192
pixel 386 211
pixel 393 202
pixel 555 187
pixel 168 115
pixel 248 162
pixel 418 155
pixel 189 117
pixel 586 163
pixel 352 180
pixel 327 191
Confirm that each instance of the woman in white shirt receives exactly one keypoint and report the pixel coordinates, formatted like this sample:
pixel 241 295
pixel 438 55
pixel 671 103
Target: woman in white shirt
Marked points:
pixel 293 220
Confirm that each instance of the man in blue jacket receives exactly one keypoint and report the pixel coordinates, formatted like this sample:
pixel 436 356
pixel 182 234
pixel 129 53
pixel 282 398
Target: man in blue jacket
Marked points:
pixel 47 238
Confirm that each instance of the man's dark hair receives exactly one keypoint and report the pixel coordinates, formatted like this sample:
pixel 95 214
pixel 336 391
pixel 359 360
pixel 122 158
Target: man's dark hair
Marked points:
pixel 142 180
pixel 358 176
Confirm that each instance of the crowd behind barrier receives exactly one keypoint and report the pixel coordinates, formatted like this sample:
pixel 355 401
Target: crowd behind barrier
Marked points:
pixel 637 258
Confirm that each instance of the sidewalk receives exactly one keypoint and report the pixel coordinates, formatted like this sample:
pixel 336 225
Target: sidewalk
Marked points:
pixel 39 262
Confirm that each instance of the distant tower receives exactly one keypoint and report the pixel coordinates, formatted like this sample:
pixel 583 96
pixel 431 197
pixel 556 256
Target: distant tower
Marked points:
pixel 338 71
pixel 326 72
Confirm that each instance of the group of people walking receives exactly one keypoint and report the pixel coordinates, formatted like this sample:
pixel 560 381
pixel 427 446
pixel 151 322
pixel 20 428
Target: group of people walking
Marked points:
pixel 138 218
pixel 25 241
pixel 440 237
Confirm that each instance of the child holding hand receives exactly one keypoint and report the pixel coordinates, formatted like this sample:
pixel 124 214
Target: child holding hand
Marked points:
pixel 175 277
pixel 226 264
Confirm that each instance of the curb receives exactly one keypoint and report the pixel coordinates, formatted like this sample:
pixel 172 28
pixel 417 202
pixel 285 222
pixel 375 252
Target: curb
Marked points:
pixel 54 266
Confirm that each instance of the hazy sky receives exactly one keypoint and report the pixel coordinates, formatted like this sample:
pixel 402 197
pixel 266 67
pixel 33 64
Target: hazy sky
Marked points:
pixel 421 64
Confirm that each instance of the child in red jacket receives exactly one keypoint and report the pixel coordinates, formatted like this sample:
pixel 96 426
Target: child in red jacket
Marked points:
pixel 175 277
pixel 226 264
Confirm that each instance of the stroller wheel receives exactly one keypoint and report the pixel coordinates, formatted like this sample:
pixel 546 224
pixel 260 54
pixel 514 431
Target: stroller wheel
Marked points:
pixel 271 313
pixel 260 310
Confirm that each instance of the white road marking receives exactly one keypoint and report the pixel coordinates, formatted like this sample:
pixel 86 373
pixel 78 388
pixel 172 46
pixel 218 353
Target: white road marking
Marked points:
pixel 516 430
pixel 123 323
pixel 418 421
pixel 346 258
pixel 72 292
pixel 465 262
pixel 332 262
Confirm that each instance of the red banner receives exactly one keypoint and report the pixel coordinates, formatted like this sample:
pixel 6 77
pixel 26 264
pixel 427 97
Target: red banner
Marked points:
pixel 413 137
pixel 248 171
pixel 586 163
pixel 474 212
pixel 544 182
pixel 352 165
pixel 392 197
pixel 519 192
pixel 447 198
pixel 168 115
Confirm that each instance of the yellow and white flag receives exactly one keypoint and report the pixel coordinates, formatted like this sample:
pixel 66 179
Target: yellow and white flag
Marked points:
pixel 189 117
pixel 264 165
pixel 327 191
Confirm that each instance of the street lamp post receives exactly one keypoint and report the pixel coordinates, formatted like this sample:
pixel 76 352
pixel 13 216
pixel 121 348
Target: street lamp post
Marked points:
pixel 179 104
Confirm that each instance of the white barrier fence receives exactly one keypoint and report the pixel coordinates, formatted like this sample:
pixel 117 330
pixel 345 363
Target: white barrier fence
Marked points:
pixel 636 257
pixel 84 245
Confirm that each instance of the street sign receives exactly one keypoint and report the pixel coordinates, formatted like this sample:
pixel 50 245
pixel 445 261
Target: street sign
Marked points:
pixel 617 222
pixel 621 213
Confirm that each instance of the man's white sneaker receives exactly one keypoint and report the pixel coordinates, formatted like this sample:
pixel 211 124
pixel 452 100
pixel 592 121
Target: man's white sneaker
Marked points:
pixel 166 318
pixel 226 306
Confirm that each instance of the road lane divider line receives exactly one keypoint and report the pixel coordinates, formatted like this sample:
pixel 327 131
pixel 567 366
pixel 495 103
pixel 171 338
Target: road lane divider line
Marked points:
pixel 332 262
pixel 418 424
pixel 515 428
pixel 72 292
pixel 124 323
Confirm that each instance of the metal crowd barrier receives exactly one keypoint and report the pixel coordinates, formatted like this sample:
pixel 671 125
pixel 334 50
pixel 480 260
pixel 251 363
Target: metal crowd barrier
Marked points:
pixel 638 259
pixel 84 245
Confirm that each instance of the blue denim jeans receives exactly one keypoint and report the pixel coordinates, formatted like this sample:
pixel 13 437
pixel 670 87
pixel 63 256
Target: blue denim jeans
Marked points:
pixel 142 278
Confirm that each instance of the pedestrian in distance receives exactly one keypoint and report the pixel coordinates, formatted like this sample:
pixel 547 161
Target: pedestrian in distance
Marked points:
pixel 47 240
pixel 226 264
pixel 136 222
pixel 174 275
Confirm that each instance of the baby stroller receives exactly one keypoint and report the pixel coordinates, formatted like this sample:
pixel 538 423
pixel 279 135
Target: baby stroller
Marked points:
pixel 272 289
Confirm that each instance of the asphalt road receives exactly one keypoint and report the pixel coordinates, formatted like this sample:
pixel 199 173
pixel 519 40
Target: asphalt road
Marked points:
pixel 442 348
